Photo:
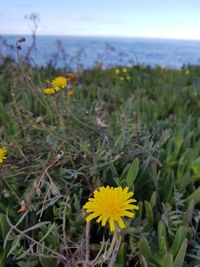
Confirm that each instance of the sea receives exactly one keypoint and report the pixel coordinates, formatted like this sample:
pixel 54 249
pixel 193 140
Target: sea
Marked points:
pixel 74 52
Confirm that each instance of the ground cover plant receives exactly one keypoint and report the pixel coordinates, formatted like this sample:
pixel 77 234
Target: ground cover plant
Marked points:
pixel 64 135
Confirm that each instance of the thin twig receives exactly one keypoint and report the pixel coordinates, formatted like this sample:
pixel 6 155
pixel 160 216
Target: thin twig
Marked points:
pixel 144 261
pixel 87 243
pixel 115 251
pixel 99 253
pixel 110 251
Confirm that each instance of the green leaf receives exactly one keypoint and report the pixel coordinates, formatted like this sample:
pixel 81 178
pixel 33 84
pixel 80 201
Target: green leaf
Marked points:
pixel 132 244
pixel 5 209
pixel 163 246
pixel 132 173
pixel 122 255
pixel 194 196
pixel 36 226
pixel 195 166
pixel 185 181
pixel 181 254
pixel 11 229
pixel 4 226
pixel 48 262
pixel 177 240
pixel 188 214
pixel 167 260
pixel 146 251
pixel 149 213
pixel 139 212
pixel 153 200
pixel 161 231
pixel 14 245
pixel 4 229
pixel 2 257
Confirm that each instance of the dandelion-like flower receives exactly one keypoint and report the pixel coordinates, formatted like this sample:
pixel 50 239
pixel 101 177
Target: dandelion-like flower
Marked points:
pixel 110 205
pixel 121 78
pixel 59 83
pixel 3 152
pixel 124 70
pixel 49 91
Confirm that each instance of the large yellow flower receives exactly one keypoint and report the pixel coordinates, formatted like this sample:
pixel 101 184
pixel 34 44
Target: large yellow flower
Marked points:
pixel 111 204
pixel 59 83
pixel 3 152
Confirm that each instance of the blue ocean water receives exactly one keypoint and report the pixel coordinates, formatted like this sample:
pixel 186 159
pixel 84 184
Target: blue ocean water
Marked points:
pixel 87 51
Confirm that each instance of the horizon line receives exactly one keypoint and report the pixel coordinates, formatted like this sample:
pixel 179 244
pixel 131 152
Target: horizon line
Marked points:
pixel 105 36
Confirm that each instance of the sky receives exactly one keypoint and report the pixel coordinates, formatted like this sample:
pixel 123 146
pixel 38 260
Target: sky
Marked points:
pixel 179 19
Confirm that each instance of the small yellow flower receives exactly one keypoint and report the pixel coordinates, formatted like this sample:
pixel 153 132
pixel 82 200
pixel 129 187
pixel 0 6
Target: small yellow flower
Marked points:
pixel 70 93
pixel 3 152
pixel 59 83
pixel 121 78
pixel 49 91
pixel 117 71
pixel 124 70
pixel 128 78
pixel 111 204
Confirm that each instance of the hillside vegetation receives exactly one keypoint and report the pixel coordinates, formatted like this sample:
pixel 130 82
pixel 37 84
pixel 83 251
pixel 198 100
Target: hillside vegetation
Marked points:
pixel 135 126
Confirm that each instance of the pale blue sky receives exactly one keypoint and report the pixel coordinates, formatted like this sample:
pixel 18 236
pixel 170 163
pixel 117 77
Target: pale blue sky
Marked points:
pixel 130 18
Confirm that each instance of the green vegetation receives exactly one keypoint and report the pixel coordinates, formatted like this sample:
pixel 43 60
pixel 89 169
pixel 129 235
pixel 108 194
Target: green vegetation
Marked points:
pixel 143 132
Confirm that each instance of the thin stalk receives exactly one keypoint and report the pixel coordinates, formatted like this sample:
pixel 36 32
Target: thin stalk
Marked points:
pixel 87 237
pixel 114 254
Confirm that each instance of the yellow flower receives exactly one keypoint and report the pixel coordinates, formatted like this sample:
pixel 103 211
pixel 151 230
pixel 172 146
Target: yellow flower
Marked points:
pixel 49 91
pixel 124 70
pixel 128 78
pixel 59 82
pixel 117 71
pixel 111 204
pixel 70 93
pixel 3 152
pixel 121 78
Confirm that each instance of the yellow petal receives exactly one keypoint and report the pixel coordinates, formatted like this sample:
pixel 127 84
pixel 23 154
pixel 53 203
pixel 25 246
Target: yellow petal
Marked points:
pixel 112 225
pixel 128 214
pixel 91 216
pixel 104 221
pixel 121 223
